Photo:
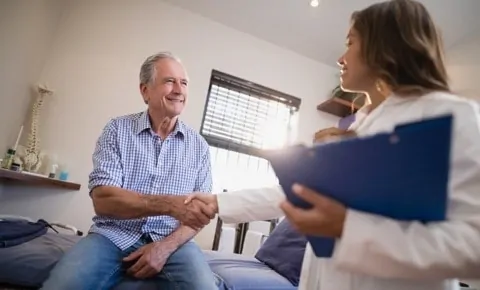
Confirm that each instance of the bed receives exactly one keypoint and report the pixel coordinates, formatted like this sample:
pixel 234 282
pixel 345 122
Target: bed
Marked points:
pixel 27 265
pixel 232 272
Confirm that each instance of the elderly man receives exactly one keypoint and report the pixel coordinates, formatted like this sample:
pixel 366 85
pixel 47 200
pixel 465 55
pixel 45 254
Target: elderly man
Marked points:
pixel 143 166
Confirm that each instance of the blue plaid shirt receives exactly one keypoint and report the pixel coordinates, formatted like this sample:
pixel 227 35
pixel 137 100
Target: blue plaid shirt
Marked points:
pixel 130 155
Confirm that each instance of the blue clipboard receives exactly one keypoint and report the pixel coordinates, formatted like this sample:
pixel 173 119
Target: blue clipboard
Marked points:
pixel 402 175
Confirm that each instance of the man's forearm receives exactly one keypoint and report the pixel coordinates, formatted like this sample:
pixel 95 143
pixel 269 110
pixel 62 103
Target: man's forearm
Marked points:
pixel 124 204
pixel 179 237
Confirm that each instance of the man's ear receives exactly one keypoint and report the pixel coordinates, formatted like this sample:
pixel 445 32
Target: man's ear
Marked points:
pixel 143 91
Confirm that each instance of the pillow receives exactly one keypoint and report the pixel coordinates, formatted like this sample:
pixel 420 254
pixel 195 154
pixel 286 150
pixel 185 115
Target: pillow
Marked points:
pixel 286 240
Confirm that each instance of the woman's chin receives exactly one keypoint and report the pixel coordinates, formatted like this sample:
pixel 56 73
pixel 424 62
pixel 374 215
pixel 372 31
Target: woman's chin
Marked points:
pixel 346 86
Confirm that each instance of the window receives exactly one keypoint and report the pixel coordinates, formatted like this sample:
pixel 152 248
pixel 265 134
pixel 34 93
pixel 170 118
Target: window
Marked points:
pixel 241 120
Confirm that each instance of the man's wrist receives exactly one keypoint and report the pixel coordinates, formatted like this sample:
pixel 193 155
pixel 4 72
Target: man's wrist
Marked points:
pixel 175 240
pixel 175 206
pixel 169 245
pixel 162 204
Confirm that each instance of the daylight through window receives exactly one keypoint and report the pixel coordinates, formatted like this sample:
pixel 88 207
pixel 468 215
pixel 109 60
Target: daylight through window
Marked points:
pixel 240 120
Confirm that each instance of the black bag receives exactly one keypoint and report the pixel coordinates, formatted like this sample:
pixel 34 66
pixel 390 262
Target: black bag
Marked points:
pixel 16 232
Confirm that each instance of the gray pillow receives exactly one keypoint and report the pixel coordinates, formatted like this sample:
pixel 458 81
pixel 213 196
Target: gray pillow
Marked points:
pixel 286 240
pixel 29 264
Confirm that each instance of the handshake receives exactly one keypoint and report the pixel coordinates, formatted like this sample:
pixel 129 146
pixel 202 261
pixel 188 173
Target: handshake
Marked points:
pixel 196 210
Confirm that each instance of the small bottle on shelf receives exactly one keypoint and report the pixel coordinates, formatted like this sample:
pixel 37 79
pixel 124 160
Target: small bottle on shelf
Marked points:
pixel 63 172
pixel 53 171
pixel 8 158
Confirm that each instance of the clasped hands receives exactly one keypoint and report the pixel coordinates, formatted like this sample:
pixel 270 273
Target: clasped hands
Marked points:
pixel 196 210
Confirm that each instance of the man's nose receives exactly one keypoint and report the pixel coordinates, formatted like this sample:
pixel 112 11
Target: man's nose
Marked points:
pixel 177 88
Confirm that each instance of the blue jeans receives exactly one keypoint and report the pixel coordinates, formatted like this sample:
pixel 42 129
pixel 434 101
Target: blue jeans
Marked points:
pixel 95 263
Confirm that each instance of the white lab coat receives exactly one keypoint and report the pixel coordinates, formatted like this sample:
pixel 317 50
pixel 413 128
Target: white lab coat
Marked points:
pixel 378 253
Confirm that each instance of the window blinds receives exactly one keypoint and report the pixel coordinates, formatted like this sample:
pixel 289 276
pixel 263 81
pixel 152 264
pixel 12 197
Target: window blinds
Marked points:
pixel 245 117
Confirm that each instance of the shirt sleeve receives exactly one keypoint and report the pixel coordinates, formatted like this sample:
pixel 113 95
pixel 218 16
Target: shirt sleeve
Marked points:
pixel 382 247
pixel 204 179
pixel 248 205
pixel 107 166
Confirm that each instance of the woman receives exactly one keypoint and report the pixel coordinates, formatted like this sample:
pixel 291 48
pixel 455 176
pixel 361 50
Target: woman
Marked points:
pixel 394 55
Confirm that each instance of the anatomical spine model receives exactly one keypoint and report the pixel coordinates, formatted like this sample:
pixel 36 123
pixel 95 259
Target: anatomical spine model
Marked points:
pixel 32 158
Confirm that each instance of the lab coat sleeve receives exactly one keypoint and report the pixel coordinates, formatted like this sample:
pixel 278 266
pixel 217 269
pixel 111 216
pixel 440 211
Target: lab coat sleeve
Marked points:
pixel 250 204
pixel 382 247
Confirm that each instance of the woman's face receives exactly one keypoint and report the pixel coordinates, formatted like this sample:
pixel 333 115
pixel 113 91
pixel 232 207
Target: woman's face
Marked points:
pixel 355 74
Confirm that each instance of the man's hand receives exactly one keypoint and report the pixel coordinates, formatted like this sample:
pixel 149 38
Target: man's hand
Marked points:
pixel 149 259
pixel 195 214
pixel 208 199
pixel 331 134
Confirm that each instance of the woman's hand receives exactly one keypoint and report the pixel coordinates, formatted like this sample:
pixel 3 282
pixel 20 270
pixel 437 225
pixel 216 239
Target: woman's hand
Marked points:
pixel 325 218
pixel 331 134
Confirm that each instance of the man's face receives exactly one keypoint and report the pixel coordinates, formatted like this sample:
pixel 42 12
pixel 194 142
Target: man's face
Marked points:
pixel 166 95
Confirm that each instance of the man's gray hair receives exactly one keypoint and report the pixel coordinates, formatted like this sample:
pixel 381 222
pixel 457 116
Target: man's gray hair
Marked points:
pixel 148 70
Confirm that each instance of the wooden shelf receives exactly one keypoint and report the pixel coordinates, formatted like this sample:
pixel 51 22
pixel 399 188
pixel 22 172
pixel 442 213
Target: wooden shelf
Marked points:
pixel 337 107
pixel 20 178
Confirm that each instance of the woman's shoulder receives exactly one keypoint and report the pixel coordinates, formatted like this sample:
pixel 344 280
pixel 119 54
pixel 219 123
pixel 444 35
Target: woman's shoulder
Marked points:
pixel 436 103
pixel 446 99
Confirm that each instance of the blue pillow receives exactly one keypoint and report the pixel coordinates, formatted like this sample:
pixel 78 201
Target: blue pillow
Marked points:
pixel 291 244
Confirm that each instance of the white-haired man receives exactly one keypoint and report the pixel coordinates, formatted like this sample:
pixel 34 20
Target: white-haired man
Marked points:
pixel 143 166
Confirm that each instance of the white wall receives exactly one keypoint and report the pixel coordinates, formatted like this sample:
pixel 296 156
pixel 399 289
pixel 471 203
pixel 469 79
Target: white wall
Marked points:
pixel 93 67
pixel 27 30
pixel 463 64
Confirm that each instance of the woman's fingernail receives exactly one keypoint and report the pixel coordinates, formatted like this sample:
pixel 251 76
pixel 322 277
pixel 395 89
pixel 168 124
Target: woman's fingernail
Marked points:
pixel 297 188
